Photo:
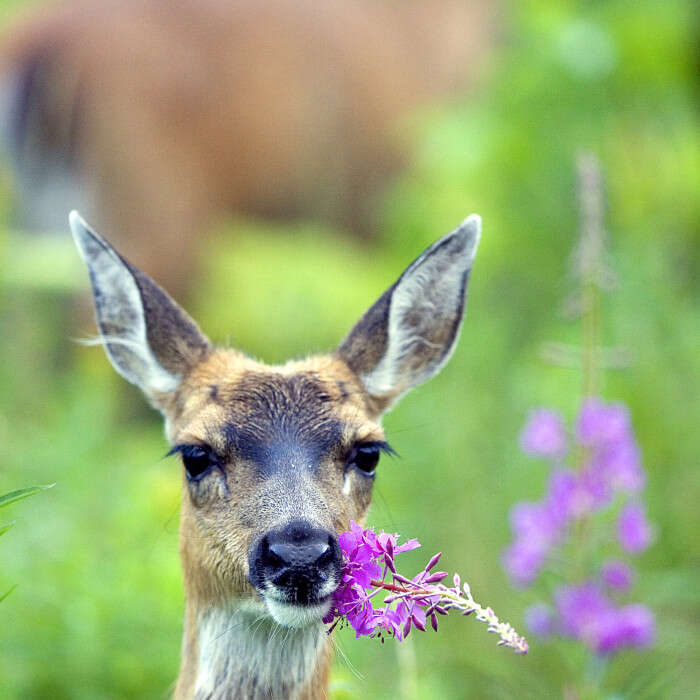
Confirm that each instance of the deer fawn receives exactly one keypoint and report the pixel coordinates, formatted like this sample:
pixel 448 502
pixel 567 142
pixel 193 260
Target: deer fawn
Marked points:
pixel 277 459
pixel 163 116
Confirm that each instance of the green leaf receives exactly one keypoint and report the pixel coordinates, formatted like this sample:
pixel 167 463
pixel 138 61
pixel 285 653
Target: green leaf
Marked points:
pixel 4 595
pixel 18 495
pixel 5 528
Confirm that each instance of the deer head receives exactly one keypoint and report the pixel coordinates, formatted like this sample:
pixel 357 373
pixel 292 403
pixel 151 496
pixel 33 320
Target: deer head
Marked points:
pixel 276 459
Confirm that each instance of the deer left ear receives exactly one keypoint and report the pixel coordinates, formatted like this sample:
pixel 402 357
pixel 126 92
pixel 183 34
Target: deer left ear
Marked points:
pixel 148 338
pixel 411 331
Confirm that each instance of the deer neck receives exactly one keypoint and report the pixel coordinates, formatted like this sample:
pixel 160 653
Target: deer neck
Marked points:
pixel 236 650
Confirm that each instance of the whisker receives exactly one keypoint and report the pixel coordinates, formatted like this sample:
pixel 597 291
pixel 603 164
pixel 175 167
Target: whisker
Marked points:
pixel 345 658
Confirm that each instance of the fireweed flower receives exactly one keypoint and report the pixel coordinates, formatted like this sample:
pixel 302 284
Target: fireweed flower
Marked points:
pixel 600 424
pixel 538 528
pixel 617 575
pixel 369 569
pixel 607 473
pixel 592 502
pixel 562 495
pixel 614 457
pixel 633 529
pixel 544 434
pixel 539 619
pixel 586 614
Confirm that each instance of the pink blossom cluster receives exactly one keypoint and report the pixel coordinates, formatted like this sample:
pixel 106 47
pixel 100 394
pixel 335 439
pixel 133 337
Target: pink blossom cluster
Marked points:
pixel 368 559
pixel 608 480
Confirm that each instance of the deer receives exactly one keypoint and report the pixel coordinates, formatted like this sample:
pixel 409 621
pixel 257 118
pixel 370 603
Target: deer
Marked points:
pixel 162 118
pixel 277 459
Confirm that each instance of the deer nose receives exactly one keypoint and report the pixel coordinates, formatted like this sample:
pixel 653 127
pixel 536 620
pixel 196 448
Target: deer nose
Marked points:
pixel 298 560
pixel 284 554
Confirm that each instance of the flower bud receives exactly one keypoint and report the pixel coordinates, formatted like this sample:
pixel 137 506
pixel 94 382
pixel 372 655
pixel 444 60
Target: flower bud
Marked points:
pixel 436 577
pixel 434 621
pixel 433 560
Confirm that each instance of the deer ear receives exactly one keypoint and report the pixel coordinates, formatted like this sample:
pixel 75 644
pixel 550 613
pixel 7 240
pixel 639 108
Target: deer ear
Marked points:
pixel 148 338
pixel 411 331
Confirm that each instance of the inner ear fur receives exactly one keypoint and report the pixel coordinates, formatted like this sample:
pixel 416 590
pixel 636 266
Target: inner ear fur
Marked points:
pixel 150 340
pixel 408 335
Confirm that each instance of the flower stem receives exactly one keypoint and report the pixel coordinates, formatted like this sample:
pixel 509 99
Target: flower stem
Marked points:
pixel 590 267
pixel 453 598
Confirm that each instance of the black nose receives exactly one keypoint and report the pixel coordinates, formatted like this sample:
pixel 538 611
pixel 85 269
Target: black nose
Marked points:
pixel 283 554
pixel 298 560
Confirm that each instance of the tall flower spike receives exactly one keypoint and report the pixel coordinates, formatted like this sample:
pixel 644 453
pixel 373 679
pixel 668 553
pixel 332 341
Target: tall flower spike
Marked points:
pixel 599 474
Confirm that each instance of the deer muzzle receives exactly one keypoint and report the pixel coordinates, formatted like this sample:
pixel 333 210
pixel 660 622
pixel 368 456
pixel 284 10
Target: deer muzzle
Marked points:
pixel 296 568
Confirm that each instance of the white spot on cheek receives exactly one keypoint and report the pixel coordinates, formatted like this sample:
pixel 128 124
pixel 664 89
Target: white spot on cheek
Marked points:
pixel 346 485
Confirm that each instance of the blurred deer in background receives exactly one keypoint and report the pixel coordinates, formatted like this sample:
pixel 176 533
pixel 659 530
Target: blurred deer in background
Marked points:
pixel 158 117
pixel 277 459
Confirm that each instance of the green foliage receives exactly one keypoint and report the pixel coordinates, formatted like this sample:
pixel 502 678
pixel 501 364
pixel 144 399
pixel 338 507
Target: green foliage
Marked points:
pixel 6 593
pixel 100 592
pixel 6 500
pixel 13 496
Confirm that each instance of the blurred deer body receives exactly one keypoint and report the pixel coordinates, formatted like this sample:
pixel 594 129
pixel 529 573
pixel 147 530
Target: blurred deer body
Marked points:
pixel 277 459
pixel 161 115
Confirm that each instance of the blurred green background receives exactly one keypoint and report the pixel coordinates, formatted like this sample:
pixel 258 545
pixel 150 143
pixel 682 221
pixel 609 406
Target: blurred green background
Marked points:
pixel 98 610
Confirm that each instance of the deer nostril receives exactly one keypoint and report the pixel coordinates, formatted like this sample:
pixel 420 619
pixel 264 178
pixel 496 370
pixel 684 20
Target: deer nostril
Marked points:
pixel 281 554
pixel 274 558
pixel 326 556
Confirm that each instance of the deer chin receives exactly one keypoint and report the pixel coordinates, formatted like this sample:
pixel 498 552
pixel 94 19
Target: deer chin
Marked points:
pixel 297 616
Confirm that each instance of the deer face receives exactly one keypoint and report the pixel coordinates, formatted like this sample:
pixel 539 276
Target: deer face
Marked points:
pixel 276 459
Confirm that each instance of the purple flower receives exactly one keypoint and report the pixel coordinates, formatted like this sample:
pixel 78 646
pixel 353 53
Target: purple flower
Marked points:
pixel 604 464
pixel 411 601
pixel 629 626
pixel 393 621
pixel 600 424
pixel 523 560
pixel 562 495
pixel 544 434
pixel 594 492
pixel 639 625
pixel 364 551
pixel 633 529
pixel 534 521
pixel 614 458
pixel 387 544
pixel 539 619
pixel 585 613
pixel 538 527
pixel 359 614
pixel 360 559
pixel 572 495
pixel 580 608
pixel 617 574
pixel 620 463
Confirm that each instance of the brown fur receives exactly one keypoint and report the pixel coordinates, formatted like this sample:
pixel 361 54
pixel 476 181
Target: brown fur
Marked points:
pixel 174 112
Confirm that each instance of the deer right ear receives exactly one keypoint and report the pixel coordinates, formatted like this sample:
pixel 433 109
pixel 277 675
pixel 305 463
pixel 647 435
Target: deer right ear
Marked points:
pixel 411 331
pixel 148 338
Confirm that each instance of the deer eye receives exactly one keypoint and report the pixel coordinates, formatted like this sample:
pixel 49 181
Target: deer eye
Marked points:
pixel 365 456
pixel 198 460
